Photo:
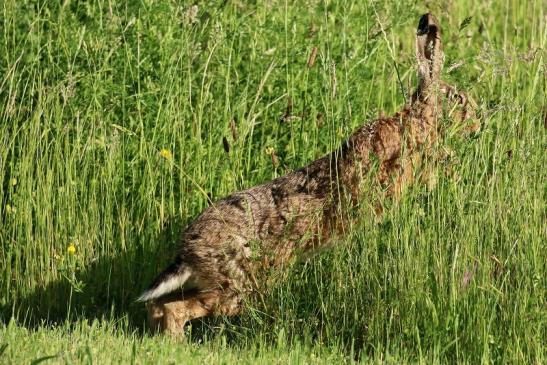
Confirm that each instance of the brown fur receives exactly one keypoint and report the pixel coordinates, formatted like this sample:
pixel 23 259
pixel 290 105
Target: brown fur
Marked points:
pixel 232 245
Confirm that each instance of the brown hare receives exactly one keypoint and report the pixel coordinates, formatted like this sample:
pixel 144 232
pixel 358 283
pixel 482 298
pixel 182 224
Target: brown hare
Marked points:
pixel 226 249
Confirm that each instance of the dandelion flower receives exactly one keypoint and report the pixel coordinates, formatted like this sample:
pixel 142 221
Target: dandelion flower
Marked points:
pixel 71 249
pixel 165 153
pixel 13 181
pixel 275 160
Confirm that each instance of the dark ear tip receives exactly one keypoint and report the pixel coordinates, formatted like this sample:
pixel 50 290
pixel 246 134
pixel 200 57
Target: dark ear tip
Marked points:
pixel 428 24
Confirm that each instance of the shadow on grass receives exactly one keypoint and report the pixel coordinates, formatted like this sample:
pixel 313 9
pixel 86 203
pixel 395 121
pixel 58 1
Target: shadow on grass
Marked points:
pixel 104 289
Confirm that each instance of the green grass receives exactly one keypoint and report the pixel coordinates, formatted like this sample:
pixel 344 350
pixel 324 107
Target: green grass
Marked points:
pixel 91 92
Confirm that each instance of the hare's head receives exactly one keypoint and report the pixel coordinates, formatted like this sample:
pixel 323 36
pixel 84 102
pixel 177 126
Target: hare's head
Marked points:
pixel 431 89
pixel 461 110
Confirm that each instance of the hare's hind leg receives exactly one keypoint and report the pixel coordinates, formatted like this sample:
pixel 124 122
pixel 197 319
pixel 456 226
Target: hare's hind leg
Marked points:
pixel 155 315
pixel 171 314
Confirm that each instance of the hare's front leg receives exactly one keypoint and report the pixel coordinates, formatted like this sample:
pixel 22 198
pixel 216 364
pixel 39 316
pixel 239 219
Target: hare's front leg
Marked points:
pixel 170 314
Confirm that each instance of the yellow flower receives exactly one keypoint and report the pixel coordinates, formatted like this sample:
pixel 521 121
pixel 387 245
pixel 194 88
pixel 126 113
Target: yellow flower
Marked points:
pixel 165 153
pixel 13 181
pixel 71 249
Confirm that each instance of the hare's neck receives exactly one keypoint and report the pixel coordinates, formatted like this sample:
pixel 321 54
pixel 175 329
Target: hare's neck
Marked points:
pixel 379 140
pixel 426 93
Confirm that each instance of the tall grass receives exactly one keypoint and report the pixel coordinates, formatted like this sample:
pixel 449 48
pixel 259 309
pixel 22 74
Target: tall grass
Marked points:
pixel 121 121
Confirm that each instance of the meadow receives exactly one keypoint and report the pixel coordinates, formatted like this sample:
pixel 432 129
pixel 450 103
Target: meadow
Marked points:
pixel 121 121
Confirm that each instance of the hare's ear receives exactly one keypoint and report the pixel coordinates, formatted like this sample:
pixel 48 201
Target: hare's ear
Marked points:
pixel 429 52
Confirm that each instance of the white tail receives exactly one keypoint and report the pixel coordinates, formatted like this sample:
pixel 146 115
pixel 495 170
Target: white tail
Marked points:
pixel 168 281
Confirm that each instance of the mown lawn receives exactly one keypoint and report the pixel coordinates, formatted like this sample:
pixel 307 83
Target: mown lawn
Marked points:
pixel 120 121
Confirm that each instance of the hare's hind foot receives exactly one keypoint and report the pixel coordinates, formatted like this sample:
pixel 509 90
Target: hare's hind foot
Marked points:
pixel 169 314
